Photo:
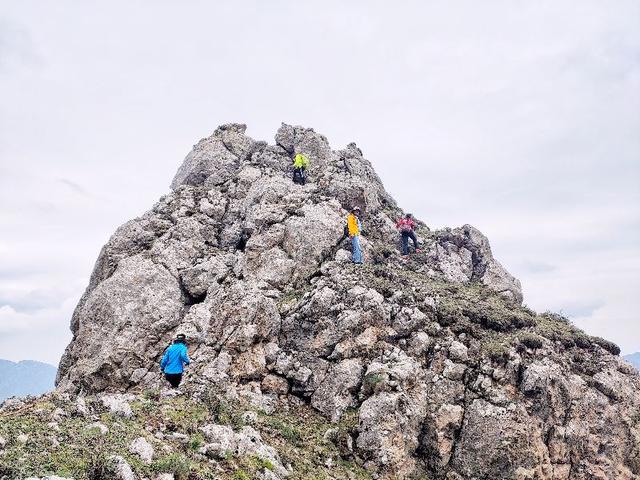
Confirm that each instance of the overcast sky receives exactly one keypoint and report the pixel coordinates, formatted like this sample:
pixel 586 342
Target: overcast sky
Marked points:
pixel 521 118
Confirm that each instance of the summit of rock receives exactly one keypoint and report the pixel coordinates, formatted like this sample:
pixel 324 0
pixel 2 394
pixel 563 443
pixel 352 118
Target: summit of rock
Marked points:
pixel 444 370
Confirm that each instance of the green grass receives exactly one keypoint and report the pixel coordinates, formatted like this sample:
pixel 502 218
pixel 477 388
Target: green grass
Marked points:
pixel 177 464
pixel 82 453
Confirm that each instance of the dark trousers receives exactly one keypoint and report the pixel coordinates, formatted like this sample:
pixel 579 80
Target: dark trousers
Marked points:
pixel 299 175
pixel 174 379
pixel 405 241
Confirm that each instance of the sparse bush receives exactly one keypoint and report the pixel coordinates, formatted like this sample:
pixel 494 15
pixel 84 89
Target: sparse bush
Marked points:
pixel 555 327
pixel 196 441
pixel 175 463
pixel 496 348
pixel 530 340
pixel 241 475
pixel 371 381
pixel 558 317
pixel 448 313
pixel 609 346
pixel 98 465
pixel 582 340
pixel 289 432
pixel 152 394
pixel 185 416
pixel 261 463
pixel 222 410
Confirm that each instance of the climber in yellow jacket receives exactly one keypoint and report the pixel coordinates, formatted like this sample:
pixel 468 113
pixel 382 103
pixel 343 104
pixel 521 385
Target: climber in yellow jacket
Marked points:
pixel 300 165
pixel 354 228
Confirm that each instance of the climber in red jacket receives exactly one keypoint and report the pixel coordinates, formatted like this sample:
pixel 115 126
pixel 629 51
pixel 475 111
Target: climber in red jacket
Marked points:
pixel 406 225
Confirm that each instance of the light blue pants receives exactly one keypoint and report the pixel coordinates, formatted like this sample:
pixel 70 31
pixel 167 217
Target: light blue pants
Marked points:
pixel 356 251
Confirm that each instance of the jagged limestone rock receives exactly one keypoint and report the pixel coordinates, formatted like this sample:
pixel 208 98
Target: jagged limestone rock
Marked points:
pixel 143 449
pixel 446 373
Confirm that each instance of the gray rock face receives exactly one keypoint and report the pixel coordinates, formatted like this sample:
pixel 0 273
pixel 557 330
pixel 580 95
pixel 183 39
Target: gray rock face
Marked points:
pixel 223 441
pixel 121 468
pixel 428 352
pixel 117 404
pixel 464 255
pixel 142 448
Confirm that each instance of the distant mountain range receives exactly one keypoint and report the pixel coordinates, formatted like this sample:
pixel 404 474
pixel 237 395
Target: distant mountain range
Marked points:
pixel 634 359
pixel 26 377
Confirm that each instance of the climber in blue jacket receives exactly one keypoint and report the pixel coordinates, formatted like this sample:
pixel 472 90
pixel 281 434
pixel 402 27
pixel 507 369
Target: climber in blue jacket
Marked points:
pixel 174 360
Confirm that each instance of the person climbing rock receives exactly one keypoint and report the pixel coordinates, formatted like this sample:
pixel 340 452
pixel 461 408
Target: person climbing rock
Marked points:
pixel 354 228
pixel 174 360
pixel 300 165
pixel 406 225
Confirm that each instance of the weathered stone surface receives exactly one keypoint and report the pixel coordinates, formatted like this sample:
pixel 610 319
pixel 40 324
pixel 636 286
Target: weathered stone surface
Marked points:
pixel 117 404
pixel 337 391
pixel 121 468
pixel 142 448
pixel 506 437
pixel 98 426
pixel 427 353
pixel 464 254
pixel 223 441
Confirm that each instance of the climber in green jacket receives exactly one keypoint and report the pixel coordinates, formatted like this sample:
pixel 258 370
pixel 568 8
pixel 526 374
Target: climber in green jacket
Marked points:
pixel 300 165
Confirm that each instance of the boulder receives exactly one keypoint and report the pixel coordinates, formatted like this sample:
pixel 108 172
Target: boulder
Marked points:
pixel 142 448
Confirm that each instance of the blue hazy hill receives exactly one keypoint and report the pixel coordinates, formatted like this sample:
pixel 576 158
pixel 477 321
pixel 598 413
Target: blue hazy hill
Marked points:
pixel 633 359
pixel 26 377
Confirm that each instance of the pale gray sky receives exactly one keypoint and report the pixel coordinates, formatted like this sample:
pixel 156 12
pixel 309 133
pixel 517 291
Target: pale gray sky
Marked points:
pixel 521 118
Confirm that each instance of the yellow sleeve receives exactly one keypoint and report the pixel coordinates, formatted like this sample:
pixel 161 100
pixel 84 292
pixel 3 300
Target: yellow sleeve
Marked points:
pixel 352 224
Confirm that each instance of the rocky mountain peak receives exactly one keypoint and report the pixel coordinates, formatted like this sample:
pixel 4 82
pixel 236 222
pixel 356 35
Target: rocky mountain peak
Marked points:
pixel 447 373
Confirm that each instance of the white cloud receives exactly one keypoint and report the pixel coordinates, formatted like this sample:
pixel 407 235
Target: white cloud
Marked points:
pixel 520 118
pixel 39 335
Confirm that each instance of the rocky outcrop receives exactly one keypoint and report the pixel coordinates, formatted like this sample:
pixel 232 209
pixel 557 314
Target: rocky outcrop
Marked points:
pixel 447 373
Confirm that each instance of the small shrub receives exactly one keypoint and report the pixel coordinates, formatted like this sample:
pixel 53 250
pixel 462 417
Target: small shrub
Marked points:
pixel 175 463
pixel 222 411
pixel 609 346
pixel 557 317
pixel 531 340
pixel 448 313
pixel 98 468
pixel 241 475
pixel 289 432
pixel 9 471
pixel 185 416
pixel 581 340
pixel 152 394
pixel 268 465
pixel 496 348
pixel 373 380
pixel 196 441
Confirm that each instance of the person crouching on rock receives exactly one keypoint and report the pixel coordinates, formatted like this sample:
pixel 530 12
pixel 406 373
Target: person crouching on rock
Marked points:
pixel 407 226
pixel 355 227
pixel 300 165
pixel 174 360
